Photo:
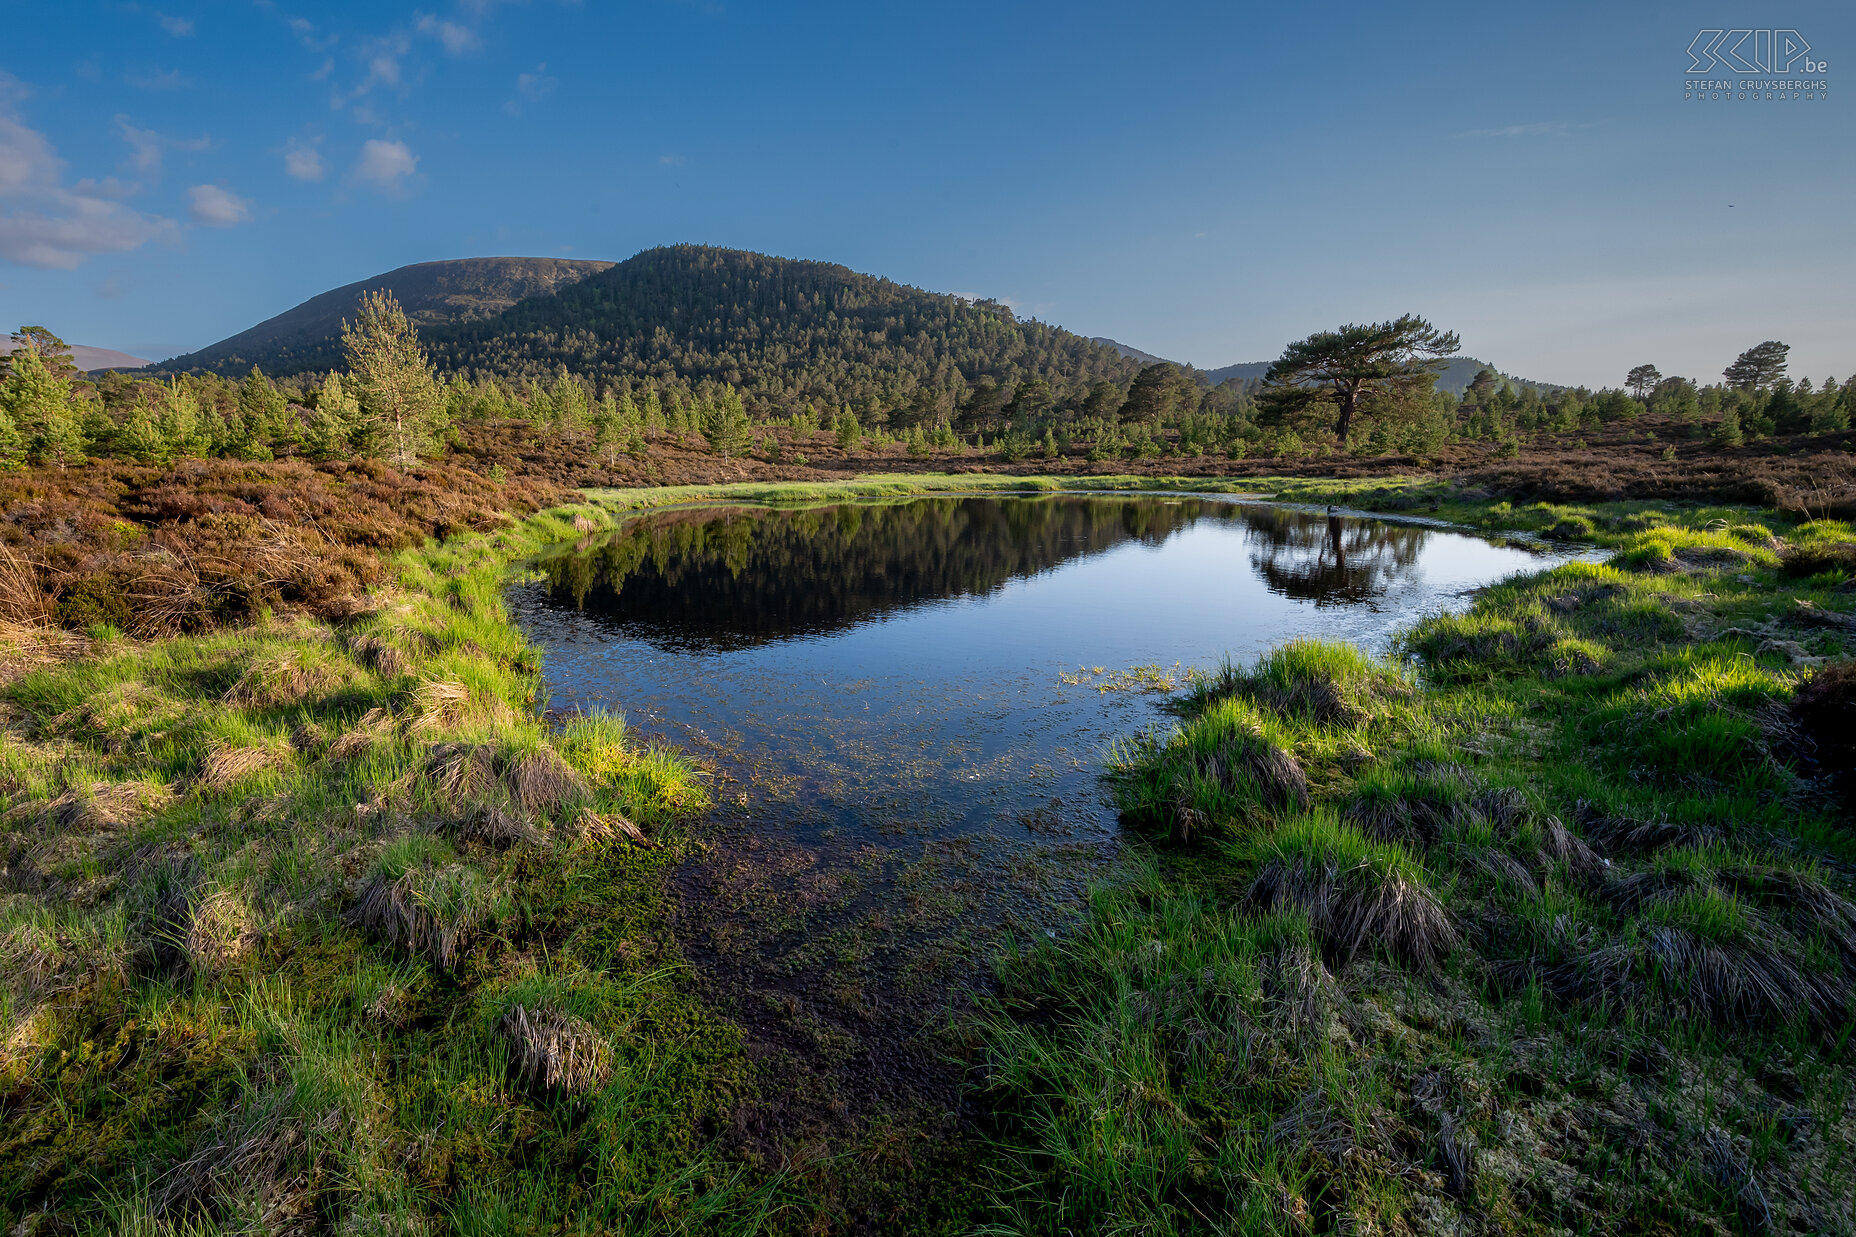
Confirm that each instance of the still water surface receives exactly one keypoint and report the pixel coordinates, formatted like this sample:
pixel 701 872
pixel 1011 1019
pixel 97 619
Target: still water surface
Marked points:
pixel 935 665
pixel 904 704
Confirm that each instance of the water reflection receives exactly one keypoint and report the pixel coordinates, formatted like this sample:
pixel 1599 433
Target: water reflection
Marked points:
pixel 732 578
pixel 1328 559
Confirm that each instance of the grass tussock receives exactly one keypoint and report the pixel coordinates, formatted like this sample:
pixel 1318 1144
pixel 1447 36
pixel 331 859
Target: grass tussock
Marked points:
pixel 106 805
pixel 1227 766
pixel 1359 896
pixel 424 901
pixel 226 765
pixel 554 1049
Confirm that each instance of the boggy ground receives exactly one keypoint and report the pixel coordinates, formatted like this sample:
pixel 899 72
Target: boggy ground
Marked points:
pixel 1545 927
pixel 314 923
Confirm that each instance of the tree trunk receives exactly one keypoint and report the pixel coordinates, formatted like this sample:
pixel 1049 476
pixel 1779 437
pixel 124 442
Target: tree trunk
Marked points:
pixel 1344 422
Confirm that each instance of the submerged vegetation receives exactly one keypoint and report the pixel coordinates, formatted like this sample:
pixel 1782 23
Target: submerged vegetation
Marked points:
pixel 1543 926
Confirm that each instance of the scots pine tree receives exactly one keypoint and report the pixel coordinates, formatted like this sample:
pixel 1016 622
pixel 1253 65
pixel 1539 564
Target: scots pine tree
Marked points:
pixel 399 396
pixel 43 411
pixel 731 429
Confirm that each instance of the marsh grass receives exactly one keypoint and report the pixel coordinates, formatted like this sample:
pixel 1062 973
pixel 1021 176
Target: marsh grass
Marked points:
pixel 258 883
pixel 1558 937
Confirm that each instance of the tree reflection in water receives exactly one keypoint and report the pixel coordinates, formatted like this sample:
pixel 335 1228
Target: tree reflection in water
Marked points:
pixel 732 578
pixel 1327 559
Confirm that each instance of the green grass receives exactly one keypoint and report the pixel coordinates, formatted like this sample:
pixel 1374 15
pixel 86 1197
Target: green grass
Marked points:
pixel 1562 939
pixel 195 975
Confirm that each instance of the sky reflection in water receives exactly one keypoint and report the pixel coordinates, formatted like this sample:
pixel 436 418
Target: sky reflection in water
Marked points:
pixel 892 669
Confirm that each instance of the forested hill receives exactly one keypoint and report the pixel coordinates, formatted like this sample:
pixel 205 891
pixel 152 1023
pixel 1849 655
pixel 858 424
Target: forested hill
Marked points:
pixel 784 331
pixel 434 294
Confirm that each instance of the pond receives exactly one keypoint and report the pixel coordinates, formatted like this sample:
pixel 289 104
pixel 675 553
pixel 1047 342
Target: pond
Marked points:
pixel 908 706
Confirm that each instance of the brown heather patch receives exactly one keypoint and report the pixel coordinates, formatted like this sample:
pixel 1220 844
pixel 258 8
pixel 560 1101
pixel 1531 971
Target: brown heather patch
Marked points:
pixel 203 543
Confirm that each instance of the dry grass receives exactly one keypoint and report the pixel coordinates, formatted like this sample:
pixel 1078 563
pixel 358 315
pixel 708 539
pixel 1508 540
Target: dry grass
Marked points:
pixel 107 805
pixel 439 705
pixel 433 912
pixel 221 933
pixel 542 783
pixel 280 678
pixel 1800 561
pixel 554 1049
pixel 462 773
pixel 1756 980
pixel 1623 835
pixel 226 765
pixel 246 1160
pixel 592 827
pixel 22 599
pixel 375 727
pixel 492 826
pixel 380 657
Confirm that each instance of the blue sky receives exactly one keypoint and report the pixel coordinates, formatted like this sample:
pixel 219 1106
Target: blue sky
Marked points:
pixel 1205 182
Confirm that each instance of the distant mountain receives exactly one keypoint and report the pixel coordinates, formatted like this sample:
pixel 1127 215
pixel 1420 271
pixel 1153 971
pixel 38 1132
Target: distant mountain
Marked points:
pixel 1213 377
pixel 1135 354
pixel 786 331
pixel 1246 371
pixel 434 294
pixel 91 360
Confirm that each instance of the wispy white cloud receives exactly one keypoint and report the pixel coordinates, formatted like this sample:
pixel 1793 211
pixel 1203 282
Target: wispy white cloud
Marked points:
pixel 307 34
pixel 179 27
pixel 147 147
pixel 45 223
pixel 672 161
pixel 455 38
pixel 302 160
pixel 387 166
pixel 531 88
pixel 216 207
